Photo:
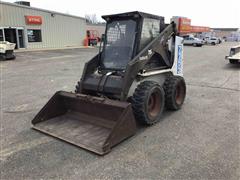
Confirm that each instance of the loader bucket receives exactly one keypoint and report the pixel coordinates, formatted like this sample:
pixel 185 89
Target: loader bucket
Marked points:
pixel 92 123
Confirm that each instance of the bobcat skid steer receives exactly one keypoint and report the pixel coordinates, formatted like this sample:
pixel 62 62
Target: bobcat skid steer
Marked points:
pixel 136 74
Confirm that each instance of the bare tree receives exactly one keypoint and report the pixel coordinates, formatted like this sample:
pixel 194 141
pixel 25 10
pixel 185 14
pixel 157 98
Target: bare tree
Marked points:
pixel 91 18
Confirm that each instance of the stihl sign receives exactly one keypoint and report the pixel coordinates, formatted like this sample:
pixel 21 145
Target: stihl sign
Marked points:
pixel 33 20
pixel 184 25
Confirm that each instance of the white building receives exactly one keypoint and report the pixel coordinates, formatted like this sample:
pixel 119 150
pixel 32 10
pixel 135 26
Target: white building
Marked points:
pixel 235 36
pixel 31 27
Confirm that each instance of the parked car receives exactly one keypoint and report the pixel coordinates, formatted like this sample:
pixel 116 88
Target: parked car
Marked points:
pixel 212 40
pixel 193 41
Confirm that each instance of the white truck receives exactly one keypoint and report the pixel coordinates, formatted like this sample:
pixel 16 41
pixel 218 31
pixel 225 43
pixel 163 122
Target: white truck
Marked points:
pixel 7 50
pixel 188 40
pixel 234 55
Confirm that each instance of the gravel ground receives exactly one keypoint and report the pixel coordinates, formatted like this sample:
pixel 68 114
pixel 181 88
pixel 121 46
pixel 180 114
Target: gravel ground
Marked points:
pixel 201 141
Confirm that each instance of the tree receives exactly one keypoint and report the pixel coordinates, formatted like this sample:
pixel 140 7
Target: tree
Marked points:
pixel 91 18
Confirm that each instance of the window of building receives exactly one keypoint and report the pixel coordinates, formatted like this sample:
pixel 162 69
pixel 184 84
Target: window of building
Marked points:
pixel 1 35
pixel 34 35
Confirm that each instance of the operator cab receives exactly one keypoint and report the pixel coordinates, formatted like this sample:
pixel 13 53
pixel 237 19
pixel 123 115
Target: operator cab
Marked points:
pixel 127 34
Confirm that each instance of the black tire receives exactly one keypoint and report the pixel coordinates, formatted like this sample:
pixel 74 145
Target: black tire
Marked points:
pixel 3 57
pixel 12 57
pixel 148 102
pixel 175 92
pixel 194 44
pixel 213 43
pixel 232 61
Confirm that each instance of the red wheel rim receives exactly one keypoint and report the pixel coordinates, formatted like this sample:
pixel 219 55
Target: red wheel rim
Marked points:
pixel 180 93
pixel 154 104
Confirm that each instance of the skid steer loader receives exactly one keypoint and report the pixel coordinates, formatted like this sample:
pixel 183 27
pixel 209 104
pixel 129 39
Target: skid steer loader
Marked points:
pixel 137 72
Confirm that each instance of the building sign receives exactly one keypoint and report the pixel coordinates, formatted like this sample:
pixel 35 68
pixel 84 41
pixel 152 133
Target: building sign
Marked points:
pixel 198 29
pixel 184 25
pixel 37 20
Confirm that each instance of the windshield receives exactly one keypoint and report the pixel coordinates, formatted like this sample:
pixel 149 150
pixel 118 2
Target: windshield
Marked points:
pixel 119 44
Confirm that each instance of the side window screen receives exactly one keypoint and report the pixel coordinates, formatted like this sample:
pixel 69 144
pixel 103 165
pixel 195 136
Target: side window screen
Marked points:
pixel 150 29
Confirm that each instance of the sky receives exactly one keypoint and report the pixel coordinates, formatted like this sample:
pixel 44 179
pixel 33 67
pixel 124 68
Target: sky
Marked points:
pixel 211 13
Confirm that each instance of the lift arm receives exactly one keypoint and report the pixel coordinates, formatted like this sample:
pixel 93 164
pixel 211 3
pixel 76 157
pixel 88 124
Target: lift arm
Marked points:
pixel 158 45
